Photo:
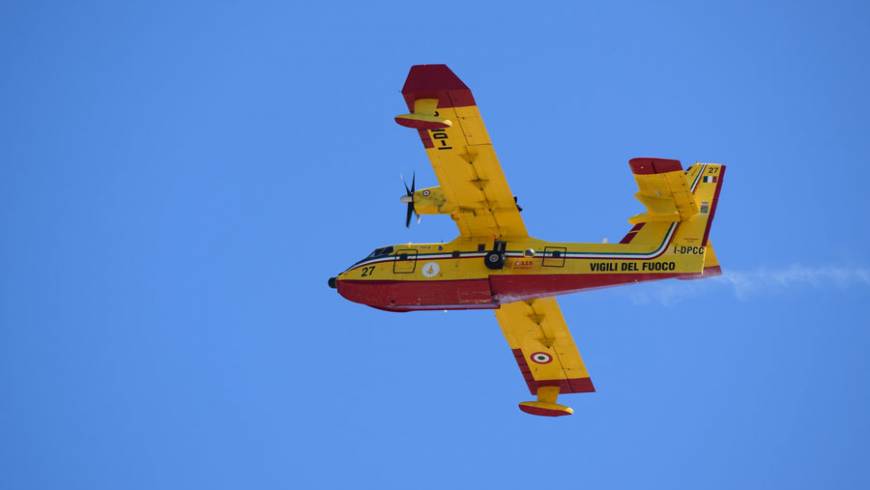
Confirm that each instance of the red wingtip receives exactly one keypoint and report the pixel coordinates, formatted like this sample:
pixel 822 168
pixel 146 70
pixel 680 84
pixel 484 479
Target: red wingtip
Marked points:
pixel 436 82
pixel 645 165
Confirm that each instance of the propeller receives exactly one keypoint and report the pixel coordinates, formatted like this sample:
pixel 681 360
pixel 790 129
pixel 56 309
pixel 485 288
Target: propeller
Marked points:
pixel 408 198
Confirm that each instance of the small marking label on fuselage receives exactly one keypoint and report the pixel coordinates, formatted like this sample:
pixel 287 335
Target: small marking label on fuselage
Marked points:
pixel 613 266
pixel 631 266
pixel 688 250
pixel 431 269
pixel 523 263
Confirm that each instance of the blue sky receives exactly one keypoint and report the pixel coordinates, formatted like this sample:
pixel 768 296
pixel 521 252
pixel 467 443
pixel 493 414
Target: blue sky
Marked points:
pixel 178 180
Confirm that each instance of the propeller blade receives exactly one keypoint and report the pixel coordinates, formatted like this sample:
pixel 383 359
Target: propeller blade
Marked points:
pixel 409 193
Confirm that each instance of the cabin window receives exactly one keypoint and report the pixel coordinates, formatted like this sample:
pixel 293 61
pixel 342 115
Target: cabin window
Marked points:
pixel 379 252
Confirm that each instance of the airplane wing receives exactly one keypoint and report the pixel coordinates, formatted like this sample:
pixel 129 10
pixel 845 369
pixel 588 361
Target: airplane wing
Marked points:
pixel 545 352
pixel 446 116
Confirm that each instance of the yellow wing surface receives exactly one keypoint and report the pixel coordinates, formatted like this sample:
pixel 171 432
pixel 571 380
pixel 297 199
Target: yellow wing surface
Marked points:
pixel 476 192
pixel 546 353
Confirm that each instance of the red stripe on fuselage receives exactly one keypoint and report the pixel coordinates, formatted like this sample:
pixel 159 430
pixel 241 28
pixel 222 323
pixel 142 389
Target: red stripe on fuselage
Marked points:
pixel 509 288
pixel 460 294
pixel 467 294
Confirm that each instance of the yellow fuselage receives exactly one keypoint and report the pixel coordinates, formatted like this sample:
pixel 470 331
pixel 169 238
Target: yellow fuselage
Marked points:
pixel 454 275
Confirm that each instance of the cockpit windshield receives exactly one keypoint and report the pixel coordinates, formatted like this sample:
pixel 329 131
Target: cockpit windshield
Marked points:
pixel 379 252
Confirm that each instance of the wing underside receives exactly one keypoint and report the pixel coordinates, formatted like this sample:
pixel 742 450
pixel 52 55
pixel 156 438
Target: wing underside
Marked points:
pixel 446 116
pixel 545 352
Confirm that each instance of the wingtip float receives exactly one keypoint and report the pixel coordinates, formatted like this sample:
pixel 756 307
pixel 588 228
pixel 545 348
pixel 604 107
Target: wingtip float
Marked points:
pixel 424 116
pixel 495 264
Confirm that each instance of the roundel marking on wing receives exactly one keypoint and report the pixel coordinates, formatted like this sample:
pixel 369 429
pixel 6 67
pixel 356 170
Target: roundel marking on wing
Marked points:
pixel 541 357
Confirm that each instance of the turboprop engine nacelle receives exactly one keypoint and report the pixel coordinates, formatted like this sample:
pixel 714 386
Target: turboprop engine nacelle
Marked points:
pixel 430 200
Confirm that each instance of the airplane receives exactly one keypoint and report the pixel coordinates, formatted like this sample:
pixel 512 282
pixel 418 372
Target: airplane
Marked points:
pixel 495 264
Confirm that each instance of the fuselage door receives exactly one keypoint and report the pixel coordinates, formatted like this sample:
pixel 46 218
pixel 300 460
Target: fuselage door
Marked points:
pixel 554 257
pixel 405 261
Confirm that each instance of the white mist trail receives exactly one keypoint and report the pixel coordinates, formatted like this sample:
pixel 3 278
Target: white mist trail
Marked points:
pixel 747 284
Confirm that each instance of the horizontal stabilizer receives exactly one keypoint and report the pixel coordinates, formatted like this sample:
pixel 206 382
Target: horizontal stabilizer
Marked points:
pixel 664 189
